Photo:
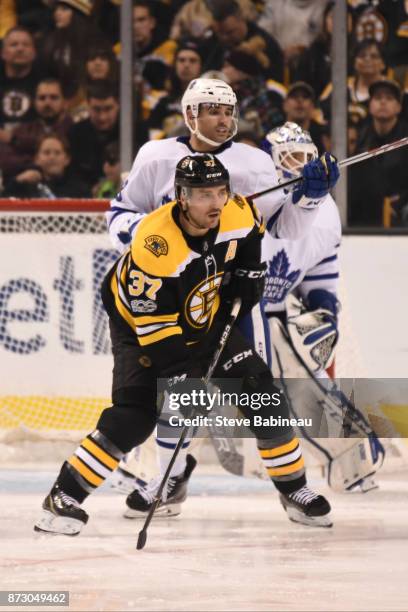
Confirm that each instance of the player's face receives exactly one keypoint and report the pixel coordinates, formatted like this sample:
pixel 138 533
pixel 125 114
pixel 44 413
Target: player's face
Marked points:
pixel 103 113
pixel 384 105
pixel 188 65
pixel 18 49
pixel 49 102
pixel 52 157
pixel 205 205
pixel 295 161
pixel 215 121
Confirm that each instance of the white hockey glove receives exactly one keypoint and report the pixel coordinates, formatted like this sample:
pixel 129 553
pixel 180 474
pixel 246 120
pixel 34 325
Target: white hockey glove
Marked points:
pixel 314 334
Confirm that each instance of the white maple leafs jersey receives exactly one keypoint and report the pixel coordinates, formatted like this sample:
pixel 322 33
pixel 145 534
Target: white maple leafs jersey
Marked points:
pixel 308 263
pixel 150 184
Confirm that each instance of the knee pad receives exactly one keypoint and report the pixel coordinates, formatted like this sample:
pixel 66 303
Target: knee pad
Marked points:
pixel 131 419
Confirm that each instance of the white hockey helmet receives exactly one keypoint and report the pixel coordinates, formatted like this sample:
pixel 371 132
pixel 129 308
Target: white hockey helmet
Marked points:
pixel 208 91
pixel 291 148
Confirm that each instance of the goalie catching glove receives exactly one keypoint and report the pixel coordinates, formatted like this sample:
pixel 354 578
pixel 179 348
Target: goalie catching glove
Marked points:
pixel 314 334
pixel 319 176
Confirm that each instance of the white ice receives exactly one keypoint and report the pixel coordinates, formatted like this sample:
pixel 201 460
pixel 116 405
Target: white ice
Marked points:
pixel 231 549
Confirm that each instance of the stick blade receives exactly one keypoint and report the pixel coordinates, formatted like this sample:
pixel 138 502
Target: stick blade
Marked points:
pixel 141 540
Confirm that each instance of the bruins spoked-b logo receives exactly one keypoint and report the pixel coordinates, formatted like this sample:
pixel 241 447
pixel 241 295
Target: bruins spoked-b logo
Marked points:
pixel 200 302
pixel 156 245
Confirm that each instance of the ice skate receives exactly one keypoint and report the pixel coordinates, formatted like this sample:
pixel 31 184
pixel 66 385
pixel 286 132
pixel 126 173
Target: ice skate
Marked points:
pixel 175 493
pixel 62 514
pixel 306 507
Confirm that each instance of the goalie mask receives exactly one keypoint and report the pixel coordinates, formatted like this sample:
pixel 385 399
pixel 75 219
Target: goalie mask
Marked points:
pixel 208 91
pixel 291 148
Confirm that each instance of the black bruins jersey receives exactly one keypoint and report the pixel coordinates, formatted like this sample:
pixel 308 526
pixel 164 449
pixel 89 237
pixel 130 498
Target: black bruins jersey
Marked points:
pixel 166 287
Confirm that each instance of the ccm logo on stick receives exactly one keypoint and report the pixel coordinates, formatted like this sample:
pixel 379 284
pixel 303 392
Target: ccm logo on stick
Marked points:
pixel 250 273
pixel 236 359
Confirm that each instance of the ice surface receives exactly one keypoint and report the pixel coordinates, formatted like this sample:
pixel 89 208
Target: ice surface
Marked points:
pixel 231 549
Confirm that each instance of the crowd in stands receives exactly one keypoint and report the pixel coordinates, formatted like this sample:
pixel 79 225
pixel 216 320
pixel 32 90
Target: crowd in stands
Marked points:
pixel 59 86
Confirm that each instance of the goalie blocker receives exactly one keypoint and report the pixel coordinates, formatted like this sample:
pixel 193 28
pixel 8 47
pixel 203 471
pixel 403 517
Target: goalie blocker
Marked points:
pixel 341 436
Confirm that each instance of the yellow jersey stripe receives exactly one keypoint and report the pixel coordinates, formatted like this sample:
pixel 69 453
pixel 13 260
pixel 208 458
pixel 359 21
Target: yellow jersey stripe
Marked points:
pixel 85 472
pixel 159 335
pixel 281 450
pixel 165 318
pixel 100 454
pixel 287 469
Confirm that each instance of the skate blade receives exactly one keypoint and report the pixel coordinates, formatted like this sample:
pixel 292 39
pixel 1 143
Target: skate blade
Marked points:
pixel 311 521
pixel 58 525
pixel 161 512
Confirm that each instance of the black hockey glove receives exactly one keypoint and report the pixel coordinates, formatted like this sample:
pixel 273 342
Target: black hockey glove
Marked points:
pixel 248 284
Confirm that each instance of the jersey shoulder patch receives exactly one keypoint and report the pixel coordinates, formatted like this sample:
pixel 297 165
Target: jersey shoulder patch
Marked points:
pixel 158 247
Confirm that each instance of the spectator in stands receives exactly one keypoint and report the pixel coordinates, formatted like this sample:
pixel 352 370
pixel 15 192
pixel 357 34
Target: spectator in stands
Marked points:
pixel 49 176
pixel 63 50
pixel 111 182
pixel 89 137
pixel 101 63
pixel 233 31
pixel 150 41
pixel 244 74
pixel 194 19
pixel 167 115
pixel 388 20
pixel 314 64
pixel 19 76
pixel 50 107
pixel 295 25
pixel 300 107
pixel 384 176
pixel 368 67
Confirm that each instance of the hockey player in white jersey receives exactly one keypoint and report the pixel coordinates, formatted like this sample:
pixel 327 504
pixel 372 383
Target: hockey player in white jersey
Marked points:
pixel 210 113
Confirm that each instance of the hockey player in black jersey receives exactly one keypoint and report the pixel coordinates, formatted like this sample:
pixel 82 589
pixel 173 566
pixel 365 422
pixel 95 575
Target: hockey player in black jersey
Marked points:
pixel 168 298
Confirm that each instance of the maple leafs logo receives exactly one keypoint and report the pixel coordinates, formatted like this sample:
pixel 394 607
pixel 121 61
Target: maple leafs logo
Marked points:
pixel 279 280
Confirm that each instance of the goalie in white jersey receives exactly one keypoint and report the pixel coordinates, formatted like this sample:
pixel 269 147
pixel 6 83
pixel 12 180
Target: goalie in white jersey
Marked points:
pixel 210 113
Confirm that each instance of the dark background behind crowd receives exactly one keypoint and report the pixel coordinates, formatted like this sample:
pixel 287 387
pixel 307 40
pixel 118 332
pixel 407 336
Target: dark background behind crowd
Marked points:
pixel 59 93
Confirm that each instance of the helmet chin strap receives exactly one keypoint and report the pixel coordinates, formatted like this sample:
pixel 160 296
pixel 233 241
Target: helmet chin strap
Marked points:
pixel 200 136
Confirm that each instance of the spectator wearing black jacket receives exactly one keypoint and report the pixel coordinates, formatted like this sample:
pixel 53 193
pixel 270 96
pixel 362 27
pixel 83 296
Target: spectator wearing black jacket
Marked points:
pixel 300 107
pixel 379 186
pixel 233 31
pixel 50 176
pixel 89 137
pixel 19 76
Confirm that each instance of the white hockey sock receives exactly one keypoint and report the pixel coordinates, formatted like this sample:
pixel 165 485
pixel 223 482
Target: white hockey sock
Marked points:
pixel 166 449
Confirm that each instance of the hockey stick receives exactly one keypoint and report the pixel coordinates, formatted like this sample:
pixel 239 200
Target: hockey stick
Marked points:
pixel 349 161
pixel 236 306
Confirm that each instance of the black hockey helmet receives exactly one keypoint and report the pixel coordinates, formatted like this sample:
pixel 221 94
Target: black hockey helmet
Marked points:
pixel 200 171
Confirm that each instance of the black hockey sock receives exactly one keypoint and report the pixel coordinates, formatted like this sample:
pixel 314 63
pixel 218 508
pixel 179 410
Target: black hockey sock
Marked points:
pixel 284 464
